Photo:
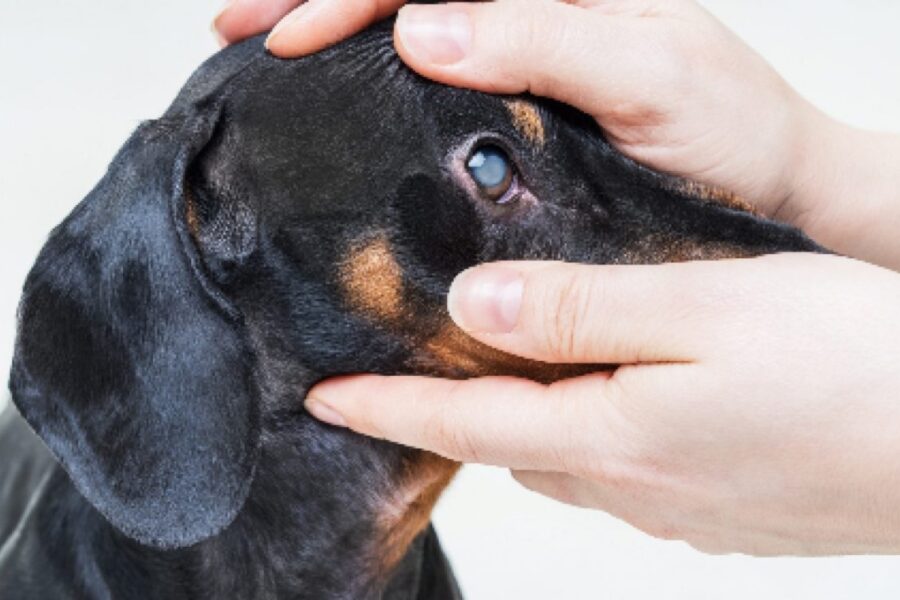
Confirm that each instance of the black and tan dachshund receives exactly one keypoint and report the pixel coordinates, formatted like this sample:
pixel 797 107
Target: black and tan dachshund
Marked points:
pixel 283 222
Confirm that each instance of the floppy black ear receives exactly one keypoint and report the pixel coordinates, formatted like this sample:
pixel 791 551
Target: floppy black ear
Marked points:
pixel 129 363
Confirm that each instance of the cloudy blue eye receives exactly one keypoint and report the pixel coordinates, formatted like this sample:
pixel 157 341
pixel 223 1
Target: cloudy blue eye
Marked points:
pixel 492 171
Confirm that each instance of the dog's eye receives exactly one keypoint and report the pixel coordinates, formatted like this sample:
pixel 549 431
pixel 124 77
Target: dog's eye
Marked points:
pixel 493 172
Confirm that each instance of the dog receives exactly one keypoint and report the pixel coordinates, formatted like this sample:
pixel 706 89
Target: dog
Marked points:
pixel 283 222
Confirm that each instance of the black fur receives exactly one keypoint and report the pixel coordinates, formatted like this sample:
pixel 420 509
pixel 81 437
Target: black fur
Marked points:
pixel 173 322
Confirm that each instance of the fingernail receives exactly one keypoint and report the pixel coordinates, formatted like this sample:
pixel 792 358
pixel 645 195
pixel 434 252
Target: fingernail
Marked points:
pixel 220 39
pixel 440 35
pixel 218 18
pixel 486 299
pixel 294 17
pixel 324 413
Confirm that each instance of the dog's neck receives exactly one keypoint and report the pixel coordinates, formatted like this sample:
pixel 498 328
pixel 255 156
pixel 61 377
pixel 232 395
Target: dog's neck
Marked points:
pixel 347 518
pixel 326 503
pixel 330 514
pixel 335 519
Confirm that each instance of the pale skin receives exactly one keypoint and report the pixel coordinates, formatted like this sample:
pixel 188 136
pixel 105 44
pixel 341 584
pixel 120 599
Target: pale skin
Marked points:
pixel 758 408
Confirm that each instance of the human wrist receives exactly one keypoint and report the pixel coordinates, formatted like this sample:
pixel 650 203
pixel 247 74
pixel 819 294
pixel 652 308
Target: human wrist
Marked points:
pixel 844 188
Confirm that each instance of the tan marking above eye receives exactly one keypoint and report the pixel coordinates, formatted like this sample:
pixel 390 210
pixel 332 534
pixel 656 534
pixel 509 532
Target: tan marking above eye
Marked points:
pixel 373 280
pixel 527 120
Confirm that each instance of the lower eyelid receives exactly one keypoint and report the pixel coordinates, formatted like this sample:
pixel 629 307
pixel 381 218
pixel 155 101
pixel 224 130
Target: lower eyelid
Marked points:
pixel 457 166
pixel 513 193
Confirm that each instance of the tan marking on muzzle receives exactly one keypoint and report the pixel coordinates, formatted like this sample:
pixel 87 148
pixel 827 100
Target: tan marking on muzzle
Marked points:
pixel 713 194
pixel 408 511
pixel 373 280
pixel 687 250
pixel 456 354
pixel 527 120
pixel 656 249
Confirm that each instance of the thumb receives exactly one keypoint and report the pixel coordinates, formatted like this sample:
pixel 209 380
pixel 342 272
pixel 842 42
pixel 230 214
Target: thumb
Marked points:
pixel 317 24
pixel 552 49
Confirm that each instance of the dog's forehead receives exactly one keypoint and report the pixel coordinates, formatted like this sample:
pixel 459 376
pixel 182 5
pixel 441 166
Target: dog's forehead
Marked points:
pixel 357 87
pixel 356 93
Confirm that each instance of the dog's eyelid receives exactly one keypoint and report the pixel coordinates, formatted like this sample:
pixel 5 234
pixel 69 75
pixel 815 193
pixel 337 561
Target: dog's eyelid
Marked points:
pixel 487 153
pixel 493 172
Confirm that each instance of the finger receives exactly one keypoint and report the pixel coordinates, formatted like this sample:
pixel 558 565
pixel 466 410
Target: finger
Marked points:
pixel 494 420
pixel 654 513
pixel 572 313
pixel 561 487
pixel 318 24
pixel 556 49
pixel 241 19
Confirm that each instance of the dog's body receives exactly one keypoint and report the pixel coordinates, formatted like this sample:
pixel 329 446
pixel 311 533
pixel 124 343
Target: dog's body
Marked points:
pixel 285 222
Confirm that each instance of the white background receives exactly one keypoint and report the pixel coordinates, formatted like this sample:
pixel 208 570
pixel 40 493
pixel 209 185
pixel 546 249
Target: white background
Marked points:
pixel 77 77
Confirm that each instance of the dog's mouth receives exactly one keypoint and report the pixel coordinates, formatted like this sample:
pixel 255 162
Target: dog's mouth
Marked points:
pixel 453 353
pixel 373 285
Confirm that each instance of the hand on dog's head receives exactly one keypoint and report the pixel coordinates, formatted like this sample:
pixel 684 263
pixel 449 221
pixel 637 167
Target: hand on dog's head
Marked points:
pixel 290 220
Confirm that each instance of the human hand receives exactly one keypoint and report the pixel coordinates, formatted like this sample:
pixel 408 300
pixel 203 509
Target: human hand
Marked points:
pixel 757 410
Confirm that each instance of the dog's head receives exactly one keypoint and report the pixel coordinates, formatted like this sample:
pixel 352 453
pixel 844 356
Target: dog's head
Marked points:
pixel 290 220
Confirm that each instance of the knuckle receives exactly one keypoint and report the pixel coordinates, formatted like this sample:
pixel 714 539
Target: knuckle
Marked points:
pixel 568 460
pixel 724 310
pixel 577 447
pixel 363 418
pixel 437 433
pixel 566 309
pixel 521 34
pixel 529 40
pixel 444 434
pixel 622 456
pixel 463 445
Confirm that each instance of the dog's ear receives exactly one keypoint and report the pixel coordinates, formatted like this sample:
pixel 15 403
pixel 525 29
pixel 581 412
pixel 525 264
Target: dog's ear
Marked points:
pixel 130 363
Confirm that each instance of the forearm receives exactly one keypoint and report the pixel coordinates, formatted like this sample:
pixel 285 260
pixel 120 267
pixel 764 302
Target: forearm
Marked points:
pixel 847 190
